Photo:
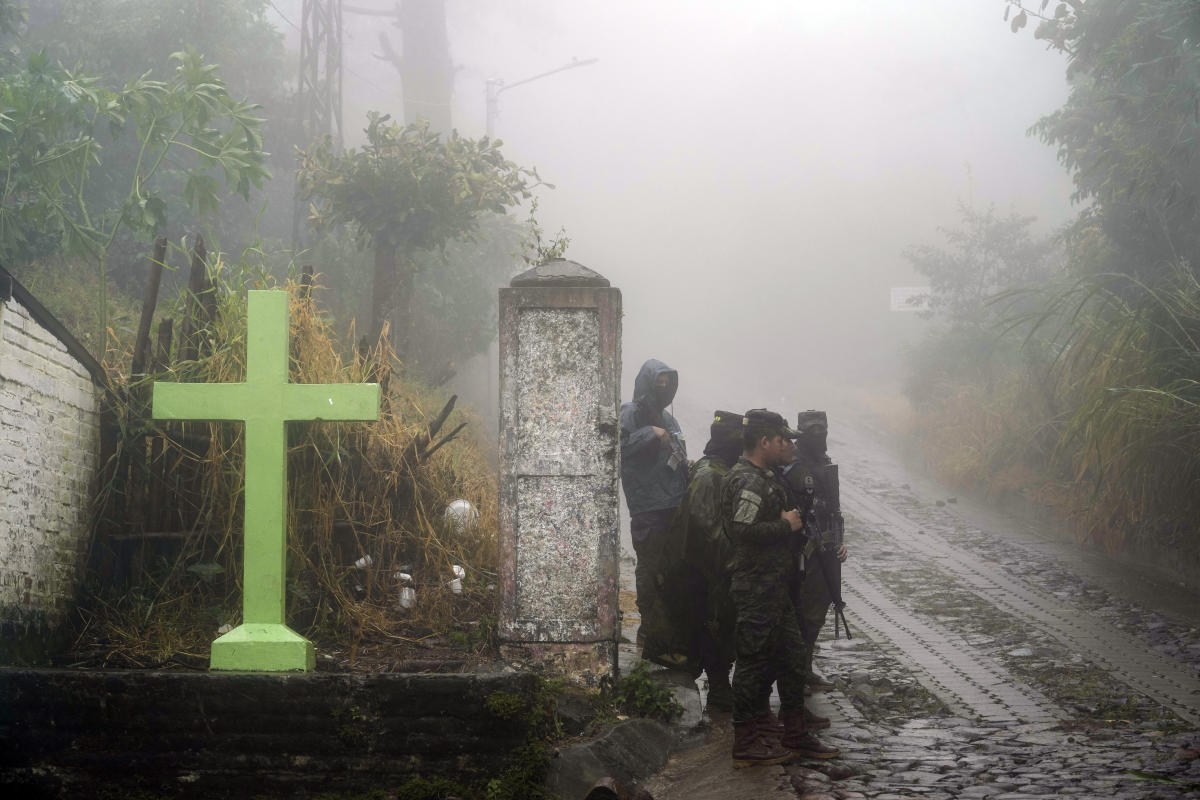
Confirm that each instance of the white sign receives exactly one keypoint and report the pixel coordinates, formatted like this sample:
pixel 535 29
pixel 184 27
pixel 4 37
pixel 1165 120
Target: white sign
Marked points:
pixel 910 298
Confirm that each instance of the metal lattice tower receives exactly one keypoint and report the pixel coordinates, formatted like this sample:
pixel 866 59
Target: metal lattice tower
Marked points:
pixel 320 84
pixel 319 89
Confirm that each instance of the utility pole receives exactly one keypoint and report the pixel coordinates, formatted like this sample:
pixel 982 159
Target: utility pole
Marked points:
pixel 319 88
pixel 494 86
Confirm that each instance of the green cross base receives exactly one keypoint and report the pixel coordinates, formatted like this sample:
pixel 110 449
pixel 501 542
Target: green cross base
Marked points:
pixel 263 647
pixel 263 643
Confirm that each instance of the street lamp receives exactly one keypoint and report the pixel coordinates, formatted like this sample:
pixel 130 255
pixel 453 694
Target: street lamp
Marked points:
pixel 495 86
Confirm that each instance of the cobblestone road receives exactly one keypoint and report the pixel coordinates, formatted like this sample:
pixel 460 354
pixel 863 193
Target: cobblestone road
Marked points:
pixel 983 666
pixel 1124 657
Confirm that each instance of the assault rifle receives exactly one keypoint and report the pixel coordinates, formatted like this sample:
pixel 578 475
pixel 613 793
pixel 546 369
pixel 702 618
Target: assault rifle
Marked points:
pixel 678 454
pixel 827 550
pixel 825 539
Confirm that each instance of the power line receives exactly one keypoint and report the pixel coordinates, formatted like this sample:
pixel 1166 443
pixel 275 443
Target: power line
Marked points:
pixel 370 12
pixel 282 15
pixel 364 78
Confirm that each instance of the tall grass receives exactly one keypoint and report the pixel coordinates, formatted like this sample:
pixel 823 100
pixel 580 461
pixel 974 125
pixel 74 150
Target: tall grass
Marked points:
pixel 354 489
pixel 984 417
pixel 1129 369
pixel 1097 415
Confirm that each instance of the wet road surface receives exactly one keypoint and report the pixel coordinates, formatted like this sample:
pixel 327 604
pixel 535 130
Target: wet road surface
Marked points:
pixel 988 662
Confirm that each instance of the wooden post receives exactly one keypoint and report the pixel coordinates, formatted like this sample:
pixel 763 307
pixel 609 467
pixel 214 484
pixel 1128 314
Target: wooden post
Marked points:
pixel 141 345
pixel 134 458
pixel 158 483
pixel 306 282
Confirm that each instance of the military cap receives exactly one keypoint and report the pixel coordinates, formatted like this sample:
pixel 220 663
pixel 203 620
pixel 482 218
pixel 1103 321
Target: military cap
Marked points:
pixel 726 419
pixel 761 416
pixel 726 427
pixel 806 419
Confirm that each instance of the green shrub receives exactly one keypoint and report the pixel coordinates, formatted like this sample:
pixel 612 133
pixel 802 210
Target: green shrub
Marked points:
pixel 639 695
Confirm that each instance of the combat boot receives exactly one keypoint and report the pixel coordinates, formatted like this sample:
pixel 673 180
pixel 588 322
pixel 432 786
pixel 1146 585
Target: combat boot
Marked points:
pixel 797 738
pixel 814 721
pixel 752 749
pixel 771 726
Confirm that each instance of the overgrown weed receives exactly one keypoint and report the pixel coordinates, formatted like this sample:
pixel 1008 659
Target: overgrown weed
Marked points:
pixel 355 489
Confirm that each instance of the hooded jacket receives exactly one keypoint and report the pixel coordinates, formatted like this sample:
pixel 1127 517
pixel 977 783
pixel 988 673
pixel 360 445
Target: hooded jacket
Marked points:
pixel 653 475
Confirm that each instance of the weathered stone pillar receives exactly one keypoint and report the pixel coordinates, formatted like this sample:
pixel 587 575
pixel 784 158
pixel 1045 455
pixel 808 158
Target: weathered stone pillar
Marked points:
pixel 560 367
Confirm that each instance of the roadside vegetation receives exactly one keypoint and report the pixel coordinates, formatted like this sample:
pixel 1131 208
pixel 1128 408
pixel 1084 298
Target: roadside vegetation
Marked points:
pixel 144 135
pixel 1066 368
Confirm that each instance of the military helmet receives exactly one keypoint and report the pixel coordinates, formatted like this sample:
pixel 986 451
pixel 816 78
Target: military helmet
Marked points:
pixel 809 418
pixel 769 419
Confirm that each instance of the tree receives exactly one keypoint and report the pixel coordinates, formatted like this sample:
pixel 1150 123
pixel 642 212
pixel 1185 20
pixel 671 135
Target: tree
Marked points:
pixel 11 16
pixel 118 41
pixel 426 69
pixel 986 256
pixel 1129 132
pixel 405 191
pixel 50 121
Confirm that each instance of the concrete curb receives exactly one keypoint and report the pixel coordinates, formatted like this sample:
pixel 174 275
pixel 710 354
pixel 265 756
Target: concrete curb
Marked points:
pixel 631 752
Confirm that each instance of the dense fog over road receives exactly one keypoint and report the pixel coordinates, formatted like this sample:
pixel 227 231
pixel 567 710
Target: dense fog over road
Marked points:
pixel 748 174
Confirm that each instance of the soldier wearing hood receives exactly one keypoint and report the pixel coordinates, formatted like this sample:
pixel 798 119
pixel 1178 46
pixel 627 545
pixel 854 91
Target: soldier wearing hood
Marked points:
pixel 654 476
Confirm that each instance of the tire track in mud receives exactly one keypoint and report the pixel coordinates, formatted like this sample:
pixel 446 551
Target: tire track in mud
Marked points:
pixel 970 683
pixel 1124 657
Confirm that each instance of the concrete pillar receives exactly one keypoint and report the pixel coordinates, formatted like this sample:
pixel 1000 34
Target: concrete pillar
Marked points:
pixel 560 368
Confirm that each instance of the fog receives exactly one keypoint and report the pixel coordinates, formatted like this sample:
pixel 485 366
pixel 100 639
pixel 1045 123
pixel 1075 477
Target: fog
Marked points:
pixel 749 173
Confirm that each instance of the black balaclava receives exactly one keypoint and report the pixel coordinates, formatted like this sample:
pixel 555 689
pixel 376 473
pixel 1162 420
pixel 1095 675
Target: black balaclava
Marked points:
pixel 814 429
pixel 665 395
pixel 725 437
pixel 649 398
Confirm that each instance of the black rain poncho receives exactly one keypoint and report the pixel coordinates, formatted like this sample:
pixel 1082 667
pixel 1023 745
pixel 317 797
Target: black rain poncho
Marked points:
pixel 654 476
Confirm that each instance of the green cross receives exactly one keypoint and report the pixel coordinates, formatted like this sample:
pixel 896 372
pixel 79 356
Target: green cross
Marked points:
pixel 263 643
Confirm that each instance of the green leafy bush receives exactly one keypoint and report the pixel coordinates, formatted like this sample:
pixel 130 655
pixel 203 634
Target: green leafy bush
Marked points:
pixel 639 695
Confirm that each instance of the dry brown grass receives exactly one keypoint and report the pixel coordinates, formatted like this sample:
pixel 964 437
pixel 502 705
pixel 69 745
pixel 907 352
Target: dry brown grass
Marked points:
pixel 354 489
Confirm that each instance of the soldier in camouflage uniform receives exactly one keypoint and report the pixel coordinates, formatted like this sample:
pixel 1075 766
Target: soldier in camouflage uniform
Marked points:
pixel 810 469
pixel 707 554
pixel 760 527
pixel 809 474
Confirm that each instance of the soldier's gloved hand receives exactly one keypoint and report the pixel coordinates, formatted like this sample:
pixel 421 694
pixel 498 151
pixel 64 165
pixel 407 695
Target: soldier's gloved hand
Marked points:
pixel 793 519
pixel 842 553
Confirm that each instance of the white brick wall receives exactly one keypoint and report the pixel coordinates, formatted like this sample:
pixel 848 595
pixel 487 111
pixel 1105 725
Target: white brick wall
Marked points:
pixel 49 449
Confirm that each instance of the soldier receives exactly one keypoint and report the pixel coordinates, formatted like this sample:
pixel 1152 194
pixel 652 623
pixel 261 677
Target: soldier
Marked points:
pixel 706 558
pixel 654 476
pixel 811 471
pixel 760 527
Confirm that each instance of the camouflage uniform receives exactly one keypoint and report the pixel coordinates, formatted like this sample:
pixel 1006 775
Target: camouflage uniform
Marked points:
pixel 810 470
pixel 813 596
pixel 708 554
pixel 768 639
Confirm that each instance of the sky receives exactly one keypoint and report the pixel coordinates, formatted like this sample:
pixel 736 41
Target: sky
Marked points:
pixel 749 173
